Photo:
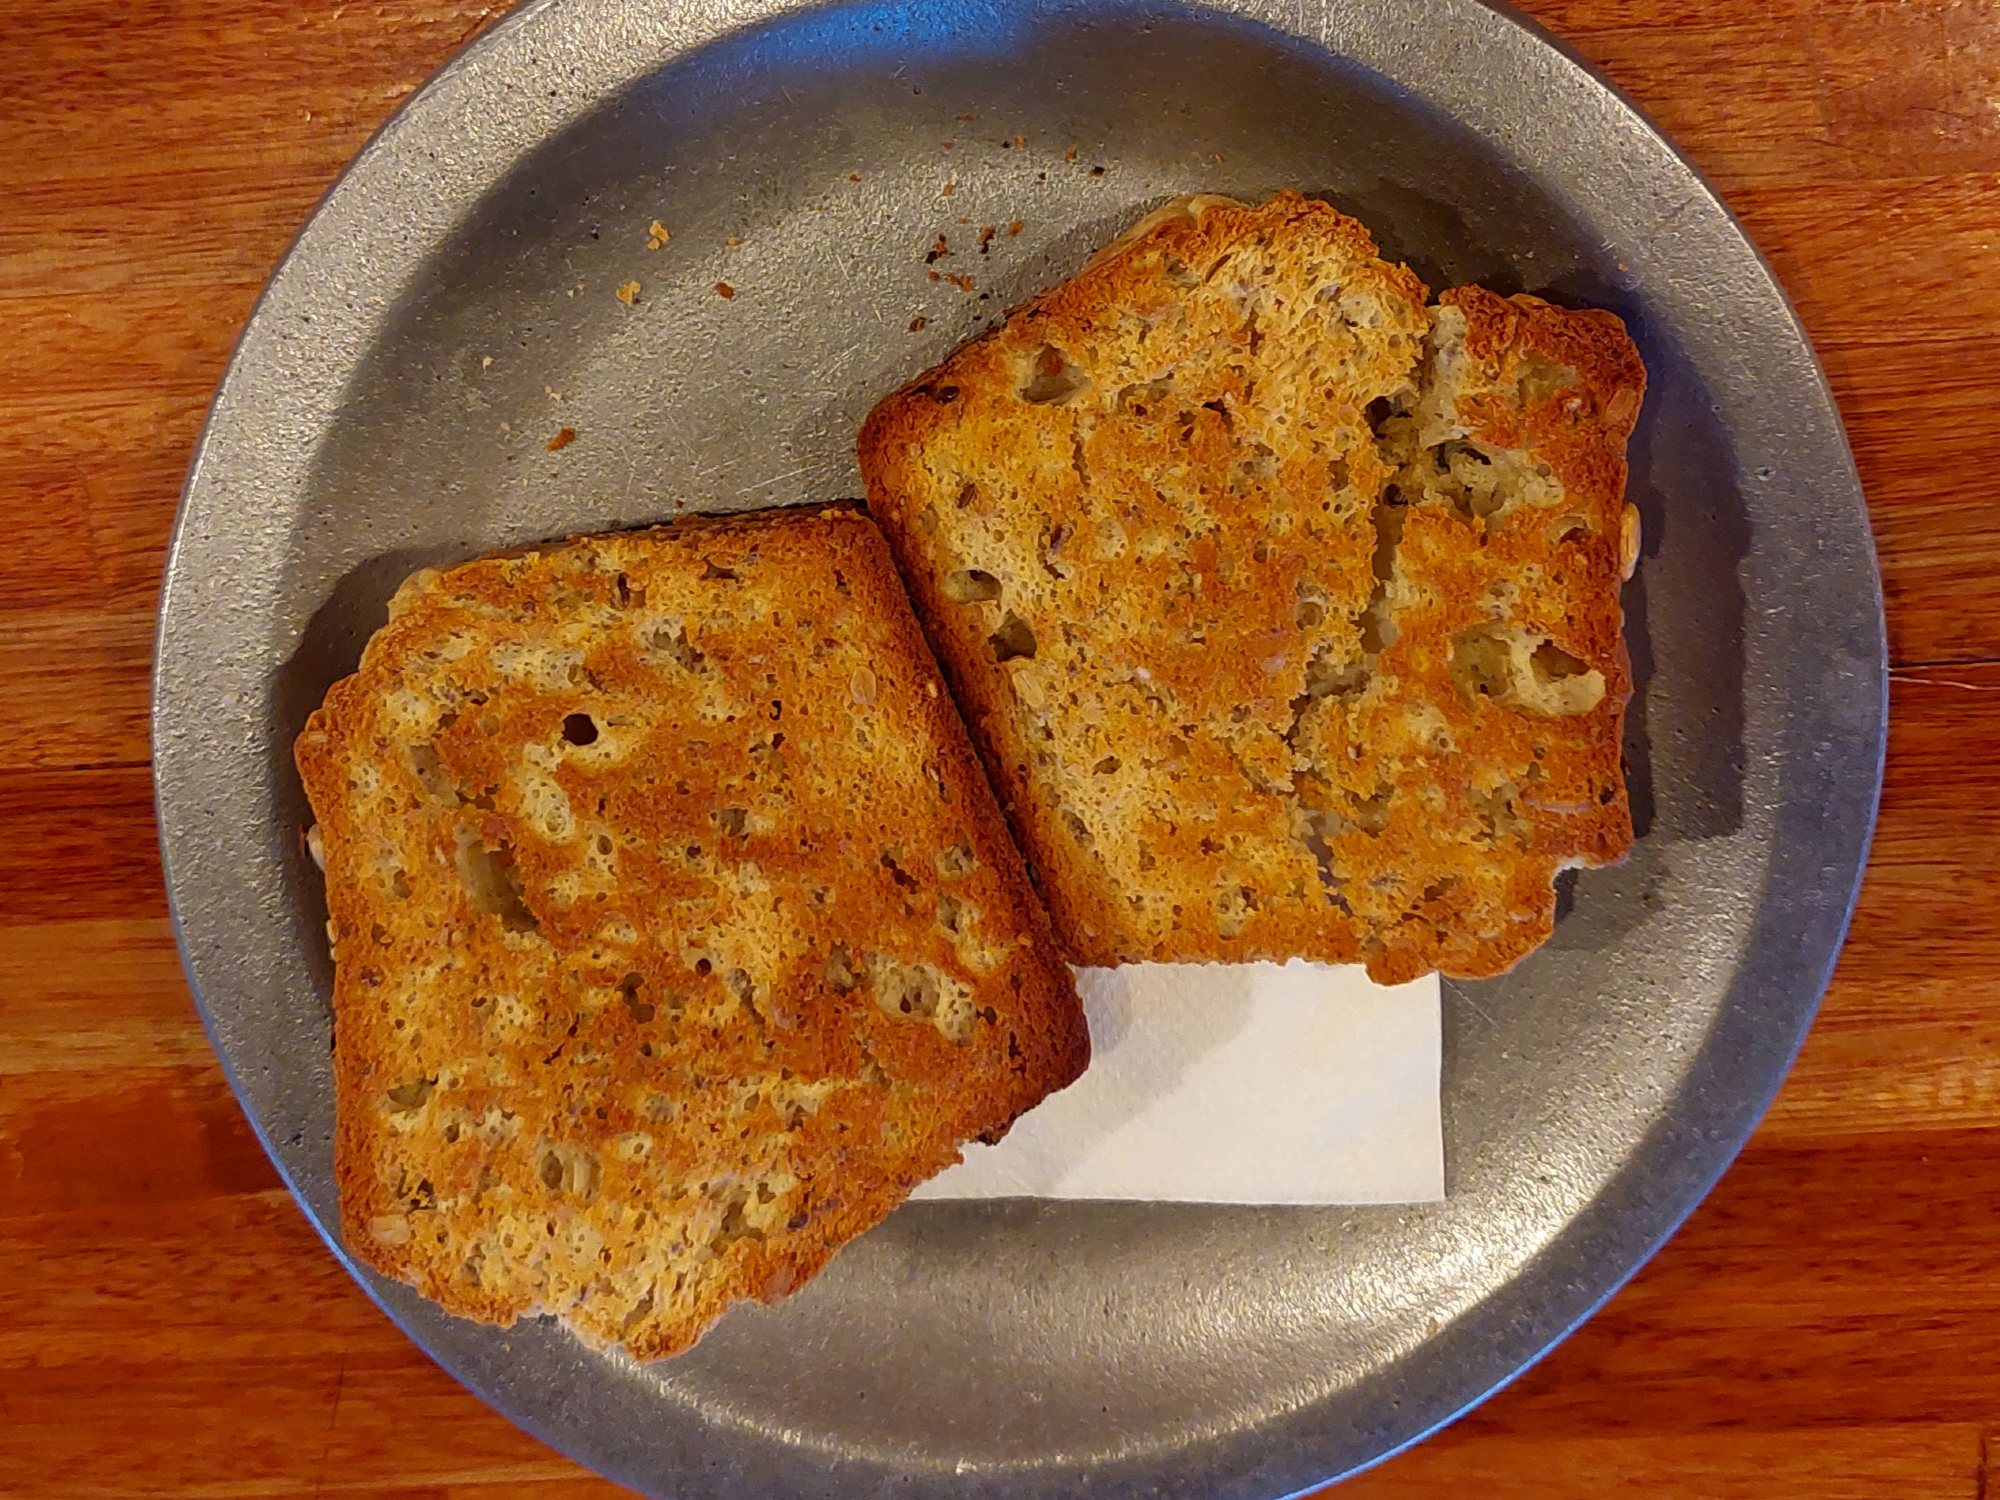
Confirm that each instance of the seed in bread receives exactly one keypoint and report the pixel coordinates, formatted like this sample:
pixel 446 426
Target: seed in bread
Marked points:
pixel 677 934
pixel 1155 539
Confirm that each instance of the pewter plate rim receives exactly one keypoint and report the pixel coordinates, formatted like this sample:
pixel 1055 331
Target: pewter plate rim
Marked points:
pixel 1800 924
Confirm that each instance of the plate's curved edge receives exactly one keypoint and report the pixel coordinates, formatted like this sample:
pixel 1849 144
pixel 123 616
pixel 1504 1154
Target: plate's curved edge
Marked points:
pixel 1876 755
pixel 377 1291
pixel 491 37
pixel 373 1286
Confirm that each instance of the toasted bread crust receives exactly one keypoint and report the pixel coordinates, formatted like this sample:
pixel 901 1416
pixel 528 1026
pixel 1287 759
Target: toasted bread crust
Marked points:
pixel 1151 530
pixel 676 932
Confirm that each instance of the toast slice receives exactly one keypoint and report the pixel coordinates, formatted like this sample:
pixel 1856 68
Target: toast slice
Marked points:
pixel 677 935
pixel 1154 532
pixel 1476 751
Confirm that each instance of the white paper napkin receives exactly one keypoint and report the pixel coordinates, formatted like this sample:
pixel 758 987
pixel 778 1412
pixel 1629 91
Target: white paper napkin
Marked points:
pixel 1234 1083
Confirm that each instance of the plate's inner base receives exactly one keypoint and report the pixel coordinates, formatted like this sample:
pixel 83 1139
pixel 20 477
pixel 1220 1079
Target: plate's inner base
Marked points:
pixel 847 195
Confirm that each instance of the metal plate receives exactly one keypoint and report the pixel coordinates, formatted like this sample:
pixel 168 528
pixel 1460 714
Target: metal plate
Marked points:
pixel 390 403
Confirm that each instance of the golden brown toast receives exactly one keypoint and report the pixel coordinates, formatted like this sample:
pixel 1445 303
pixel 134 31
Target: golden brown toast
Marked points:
pixel 1153 533
pixel 677 934
pixel 1476 752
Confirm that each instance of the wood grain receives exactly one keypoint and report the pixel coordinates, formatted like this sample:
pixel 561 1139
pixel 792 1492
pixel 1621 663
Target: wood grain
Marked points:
pixel 1828 1323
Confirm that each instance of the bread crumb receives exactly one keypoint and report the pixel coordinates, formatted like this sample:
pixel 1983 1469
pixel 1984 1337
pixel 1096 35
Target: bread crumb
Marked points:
pixel 938 251
pixel 562 440
pixel 986 237
pixel 947 145
pixel 552 393
pixel 724 289
pixel 934 276
pixel 1070 155
pixel 629 293
pixel 950 188
pixel 1097 171
pixel 656 235
pixel 732 240
pixel 917 323
pixel 963 283
pixel 968 118
pixel 1020 140
pixel 853 176
pixel 486 363
pixel 1014 228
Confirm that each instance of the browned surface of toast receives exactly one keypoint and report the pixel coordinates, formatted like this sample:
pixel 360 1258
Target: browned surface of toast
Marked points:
pixel 1478 752
pixel 677 934
pixel 1153 524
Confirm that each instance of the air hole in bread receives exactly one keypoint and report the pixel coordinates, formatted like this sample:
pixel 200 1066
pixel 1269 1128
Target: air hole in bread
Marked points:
pixel 1497 811
pixel 1235 905
pixel 1541 378
pixel 568 1171
pixel 739 983
pixel 1565 528
pixel 641 1310
pixel 669 638
pixel 922 992
pixel 953 915
pixel 956 861
pixel 431 774
pixel 628 991
pixel 1258 467
pixel 1552 664
pixel 492 882
pixel 1142 395
pixel 1523 671
pixel 892 861
pixel 840 971
pixel 579 729
pixel 407 1098
pixel 1052 377
pixel 1326 678
pixel 1378 624
pixel 971 586
pixel 1013 639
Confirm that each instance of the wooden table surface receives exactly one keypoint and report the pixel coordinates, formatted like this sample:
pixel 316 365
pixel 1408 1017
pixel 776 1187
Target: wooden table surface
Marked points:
pixel 1827 1325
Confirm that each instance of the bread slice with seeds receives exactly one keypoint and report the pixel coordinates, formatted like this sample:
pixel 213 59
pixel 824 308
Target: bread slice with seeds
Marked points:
pixel 1153 529
pixel 676 932
pixel 1475 752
